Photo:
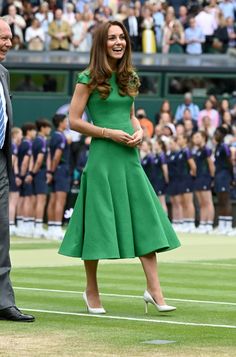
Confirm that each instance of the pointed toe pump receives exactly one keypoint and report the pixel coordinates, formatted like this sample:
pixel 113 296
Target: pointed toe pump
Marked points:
pixel 93 310
pixel 161 308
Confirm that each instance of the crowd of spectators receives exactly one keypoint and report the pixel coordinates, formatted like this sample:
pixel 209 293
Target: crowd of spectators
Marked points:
pixel 171 26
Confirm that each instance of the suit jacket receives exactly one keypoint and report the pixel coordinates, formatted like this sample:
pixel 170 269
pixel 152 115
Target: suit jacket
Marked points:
pixel 54 29
pixel 221 33
pixel 135 41
pixel 4 78
pixel 139 21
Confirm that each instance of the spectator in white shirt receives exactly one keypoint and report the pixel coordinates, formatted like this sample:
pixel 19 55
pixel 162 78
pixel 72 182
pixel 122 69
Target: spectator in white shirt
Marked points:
pixel 16 22
pixel 69 14
pixel 206 21
pixel 45 17
pixel 81 36
pixel 34 36
pixel 213 9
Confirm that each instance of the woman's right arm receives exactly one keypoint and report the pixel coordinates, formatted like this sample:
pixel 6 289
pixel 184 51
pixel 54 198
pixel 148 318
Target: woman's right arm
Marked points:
pixel 77 107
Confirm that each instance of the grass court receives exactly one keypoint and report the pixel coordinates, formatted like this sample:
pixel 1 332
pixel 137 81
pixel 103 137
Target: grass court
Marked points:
pixel 199 278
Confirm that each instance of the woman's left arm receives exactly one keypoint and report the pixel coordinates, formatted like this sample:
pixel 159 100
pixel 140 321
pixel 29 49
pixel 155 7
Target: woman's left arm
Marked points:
pixel 192 166
pixel 138 131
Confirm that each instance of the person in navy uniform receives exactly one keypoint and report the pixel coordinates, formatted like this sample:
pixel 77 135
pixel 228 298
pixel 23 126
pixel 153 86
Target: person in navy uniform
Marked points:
pixel 160 176
pixel 41 173
pixel 83 157
pixel 60 155
pixel 15 180
pixel 25 209
pixel 172 188
pixel 223 181
pixel 203 182
pixel 146 157
pixel 186 174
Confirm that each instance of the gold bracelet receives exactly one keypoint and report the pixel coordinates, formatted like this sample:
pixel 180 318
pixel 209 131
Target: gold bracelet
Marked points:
pixel 103 131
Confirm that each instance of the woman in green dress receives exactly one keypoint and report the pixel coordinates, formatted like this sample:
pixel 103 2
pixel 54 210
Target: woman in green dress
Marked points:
pixel 117 214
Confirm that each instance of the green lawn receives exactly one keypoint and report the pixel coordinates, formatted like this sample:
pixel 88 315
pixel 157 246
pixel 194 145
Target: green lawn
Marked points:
pixel 198 278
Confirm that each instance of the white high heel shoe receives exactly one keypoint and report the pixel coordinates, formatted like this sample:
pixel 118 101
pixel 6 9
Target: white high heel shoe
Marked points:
pixel 149 299
pixel 93 310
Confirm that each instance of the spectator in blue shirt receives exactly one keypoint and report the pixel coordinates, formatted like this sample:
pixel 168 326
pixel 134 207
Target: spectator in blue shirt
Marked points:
pixel 159 21
pixel 227 7
pixel 188 104
pixel 194 38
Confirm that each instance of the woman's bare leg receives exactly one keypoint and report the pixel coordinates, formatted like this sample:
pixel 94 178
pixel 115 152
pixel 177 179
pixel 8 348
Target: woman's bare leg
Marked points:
pixel 149 263
pixel 92 285
pixel 162 200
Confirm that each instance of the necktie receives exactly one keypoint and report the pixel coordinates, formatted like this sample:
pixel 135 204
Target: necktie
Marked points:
pixel 2 124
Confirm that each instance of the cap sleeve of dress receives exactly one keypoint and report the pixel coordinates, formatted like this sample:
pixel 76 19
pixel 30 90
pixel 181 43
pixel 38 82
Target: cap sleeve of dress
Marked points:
pixel 83 77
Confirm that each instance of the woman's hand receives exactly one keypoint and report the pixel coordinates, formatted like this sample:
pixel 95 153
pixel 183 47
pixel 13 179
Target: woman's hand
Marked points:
pixel 119 136
pixel 137 138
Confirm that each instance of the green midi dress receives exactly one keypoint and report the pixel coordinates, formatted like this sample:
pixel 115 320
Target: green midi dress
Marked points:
pixel 117 213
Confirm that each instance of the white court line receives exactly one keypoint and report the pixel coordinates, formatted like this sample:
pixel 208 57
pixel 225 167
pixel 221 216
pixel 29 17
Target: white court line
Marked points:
pixel 202 263
pixel 129 318
pixel 79 263
pixel 127 296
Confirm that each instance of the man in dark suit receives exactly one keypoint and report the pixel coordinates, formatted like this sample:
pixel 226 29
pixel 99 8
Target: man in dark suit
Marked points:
pixel 133 26
pixel 8 310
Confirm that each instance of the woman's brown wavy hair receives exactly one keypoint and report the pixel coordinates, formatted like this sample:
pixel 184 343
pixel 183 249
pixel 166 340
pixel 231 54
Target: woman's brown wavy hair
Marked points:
pixel 100 70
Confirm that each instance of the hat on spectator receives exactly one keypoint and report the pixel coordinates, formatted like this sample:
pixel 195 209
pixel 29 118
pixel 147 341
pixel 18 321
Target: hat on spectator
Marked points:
pixel 171 127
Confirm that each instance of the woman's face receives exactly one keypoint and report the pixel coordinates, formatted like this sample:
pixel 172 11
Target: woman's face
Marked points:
pixel 197 139
pixel 165 118
pixel 18 137
pixel 146 13
pixel 145 147
pixel 209 105
pixel 157 147
pixel 166 106
pixel 181 141
pixel 116 43
pixel 180 129
pixel 225 104
pixel 227 118
pixel 173 146
pixel 206 121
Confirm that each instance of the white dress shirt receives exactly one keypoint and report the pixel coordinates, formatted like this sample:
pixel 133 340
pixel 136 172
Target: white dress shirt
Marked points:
pixel 4 107
pixel 133 26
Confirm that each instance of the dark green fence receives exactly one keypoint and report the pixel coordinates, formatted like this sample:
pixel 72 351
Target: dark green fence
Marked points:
pixel 43 82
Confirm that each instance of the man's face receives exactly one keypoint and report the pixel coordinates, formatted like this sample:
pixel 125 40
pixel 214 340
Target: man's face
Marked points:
pixel 58 14
pixel 5 39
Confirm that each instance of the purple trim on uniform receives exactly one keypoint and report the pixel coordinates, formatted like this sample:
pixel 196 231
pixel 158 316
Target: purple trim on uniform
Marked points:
pixel 148 159
pixel 162 157
pixel 14 149
pixel 29 151
pixel 63 143
pixel 187 153
pixel 208 151
pixel 44 143
pixel 227 149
